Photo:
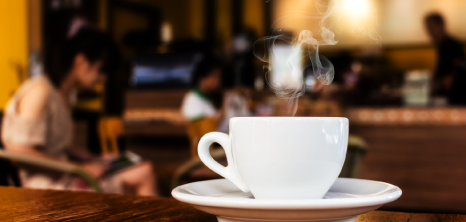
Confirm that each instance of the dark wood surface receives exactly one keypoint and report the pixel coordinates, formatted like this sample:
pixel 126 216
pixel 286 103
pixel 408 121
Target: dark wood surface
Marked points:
pixel 386 216
pixel 17 204
pixel 427 162
pixel 154 99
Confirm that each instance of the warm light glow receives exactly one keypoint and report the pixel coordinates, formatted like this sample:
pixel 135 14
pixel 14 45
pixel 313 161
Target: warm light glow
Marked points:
pixel 166 32
pixel 356 17
pixel 356 8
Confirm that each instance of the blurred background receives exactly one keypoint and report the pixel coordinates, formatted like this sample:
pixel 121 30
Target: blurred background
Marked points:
pixel 404 97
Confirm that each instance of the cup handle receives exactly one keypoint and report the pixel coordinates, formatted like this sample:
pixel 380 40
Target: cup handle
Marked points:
pixel 229 172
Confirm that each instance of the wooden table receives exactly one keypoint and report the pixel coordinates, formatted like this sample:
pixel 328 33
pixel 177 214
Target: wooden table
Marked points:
pixel 18 204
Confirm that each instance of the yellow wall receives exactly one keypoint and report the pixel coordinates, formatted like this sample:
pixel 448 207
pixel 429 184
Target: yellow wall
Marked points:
pixel 13 47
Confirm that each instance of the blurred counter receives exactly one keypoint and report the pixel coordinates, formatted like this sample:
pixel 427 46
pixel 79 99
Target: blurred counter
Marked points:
pixel 150 115
pixel 421 150
pixel 408 116
pixel 357 116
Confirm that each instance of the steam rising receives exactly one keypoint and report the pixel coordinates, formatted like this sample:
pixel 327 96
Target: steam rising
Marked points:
pixel 329 13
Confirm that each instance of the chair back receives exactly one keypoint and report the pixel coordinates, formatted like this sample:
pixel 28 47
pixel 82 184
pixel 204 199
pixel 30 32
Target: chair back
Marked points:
pixel 197 129
pixel 111 133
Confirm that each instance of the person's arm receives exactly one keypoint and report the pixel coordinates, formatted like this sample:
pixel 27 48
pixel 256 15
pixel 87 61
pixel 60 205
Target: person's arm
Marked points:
pixel 95 169
pixel 32 107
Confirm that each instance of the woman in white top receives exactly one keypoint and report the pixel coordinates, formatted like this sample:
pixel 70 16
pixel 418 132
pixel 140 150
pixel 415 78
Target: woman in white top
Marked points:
pixel 197 104
pixel 206 80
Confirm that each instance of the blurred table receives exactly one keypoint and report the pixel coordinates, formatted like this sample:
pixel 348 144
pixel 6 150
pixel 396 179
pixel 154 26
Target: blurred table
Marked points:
pixel 154 122
pixel 151 115
pixel 17 204
pixel 154 113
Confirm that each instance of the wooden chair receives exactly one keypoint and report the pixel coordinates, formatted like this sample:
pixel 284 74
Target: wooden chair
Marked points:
pixel 197 129
pixel 111 132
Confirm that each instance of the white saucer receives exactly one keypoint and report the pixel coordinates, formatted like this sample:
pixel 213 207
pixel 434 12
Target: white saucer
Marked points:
pixel 346 199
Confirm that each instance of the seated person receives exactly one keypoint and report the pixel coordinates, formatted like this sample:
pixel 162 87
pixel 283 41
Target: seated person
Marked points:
pixel 37 120
pixel 198 103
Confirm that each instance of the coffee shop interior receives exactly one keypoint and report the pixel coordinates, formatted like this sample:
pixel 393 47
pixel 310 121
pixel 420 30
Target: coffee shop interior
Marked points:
pixel 169 72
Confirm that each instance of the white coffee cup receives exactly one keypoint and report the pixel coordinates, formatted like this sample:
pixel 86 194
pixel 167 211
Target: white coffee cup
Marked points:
pixel 280 157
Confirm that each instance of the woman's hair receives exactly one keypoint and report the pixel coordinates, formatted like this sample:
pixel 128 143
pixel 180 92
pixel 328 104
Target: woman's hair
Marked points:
pixel 95 45
pixel 203 69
